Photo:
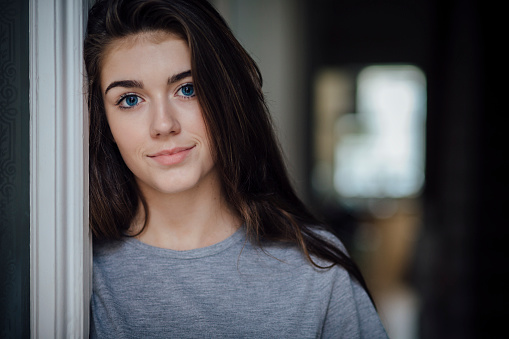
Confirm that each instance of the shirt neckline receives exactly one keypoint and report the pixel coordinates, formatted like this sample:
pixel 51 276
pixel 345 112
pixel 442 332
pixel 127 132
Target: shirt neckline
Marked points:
pixel 239 235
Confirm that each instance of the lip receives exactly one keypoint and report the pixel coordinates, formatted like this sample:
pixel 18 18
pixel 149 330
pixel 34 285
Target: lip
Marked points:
pixel 172 156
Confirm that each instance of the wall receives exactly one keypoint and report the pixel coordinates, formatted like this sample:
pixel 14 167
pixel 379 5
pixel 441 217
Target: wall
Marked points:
pixel 272 32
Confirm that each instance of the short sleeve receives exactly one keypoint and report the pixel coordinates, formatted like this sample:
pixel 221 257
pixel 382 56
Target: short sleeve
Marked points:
pixel 350 313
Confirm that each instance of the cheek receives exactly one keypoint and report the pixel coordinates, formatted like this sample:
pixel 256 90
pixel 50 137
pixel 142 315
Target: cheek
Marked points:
pixel 198 125
pixel 130 151
pixel 126 136
pixel 209 143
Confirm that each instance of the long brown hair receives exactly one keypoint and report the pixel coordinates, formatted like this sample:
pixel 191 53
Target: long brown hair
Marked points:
pixel 228 84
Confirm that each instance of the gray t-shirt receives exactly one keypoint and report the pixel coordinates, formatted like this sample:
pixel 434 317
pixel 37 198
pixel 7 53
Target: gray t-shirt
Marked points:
pixel 231 289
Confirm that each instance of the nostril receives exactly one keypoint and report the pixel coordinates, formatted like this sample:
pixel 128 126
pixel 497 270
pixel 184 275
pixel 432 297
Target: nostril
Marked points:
pixel 165 125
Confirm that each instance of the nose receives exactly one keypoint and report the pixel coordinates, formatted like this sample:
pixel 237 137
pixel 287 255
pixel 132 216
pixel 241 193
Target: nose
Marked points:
pixel 164 119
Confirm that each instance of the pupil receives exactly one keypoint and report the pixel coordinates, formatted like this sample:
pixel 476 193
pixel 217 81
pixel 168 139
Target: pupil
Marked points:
pixel 131 100
pixel 187 90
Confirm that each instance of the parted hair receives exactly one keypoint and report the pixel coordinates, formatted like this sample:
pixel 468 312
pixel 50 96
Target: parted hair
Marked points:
pixel 228 85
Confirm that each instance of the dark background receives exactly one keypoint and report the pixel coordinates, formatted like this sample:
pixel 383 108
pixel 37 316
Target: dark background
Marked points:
pixel 460 267
pixel 14 171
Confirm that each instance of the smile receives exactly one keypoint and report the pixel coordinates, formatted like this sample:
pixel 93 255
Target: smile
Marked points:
pixel 172 156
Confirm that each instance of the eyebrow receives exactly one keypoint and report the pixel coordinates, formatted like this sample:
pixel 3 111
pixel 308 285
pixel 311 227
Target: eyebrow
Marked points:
pixel 124 83
pixel 138 84
pixel 177 77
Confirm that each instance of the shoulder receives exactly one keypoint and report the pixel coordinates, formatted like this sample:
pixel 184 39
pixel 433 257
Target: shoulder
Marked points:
pixel 347 308
pixel 351 312
pixel 288 256
pixel 112 256
pixel 324 241
pixel 326 234
pixel 105 249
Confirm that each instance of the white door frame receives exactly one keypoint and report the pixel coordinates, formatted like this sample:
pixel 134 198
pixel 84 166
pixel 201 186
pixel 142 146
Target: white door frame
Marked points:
pixel 60 245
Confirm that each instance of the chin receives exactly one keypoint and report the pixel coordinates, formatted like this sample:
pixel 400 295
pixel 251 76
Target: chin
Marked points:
pixel 173 188
pixel 202 184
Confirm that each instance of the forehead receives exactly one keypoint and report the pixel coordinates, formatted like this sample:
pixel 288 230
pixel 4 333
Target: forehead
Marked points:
pixel 129 41
pixel 134 54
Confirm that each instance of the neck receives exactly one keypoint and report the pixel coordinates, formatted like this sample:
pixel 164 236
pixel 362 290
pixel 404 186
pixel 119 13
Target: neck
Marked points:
pixel 187 220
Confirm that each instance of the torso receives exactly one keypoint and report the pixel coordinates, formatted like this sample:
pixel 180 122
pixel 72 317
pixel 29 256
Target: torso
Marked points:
pixel 228 290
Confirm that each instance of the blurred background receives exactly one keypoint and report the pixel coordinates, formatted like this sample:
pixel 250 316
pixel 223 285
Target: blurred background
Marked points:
pixel 388 121
pixel 392 123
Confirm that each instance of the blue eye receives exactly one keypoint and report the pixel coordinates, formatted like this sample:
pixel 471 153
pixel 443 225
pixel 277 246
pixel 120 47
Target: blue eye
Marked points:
pixel 131 100
pixel 186 90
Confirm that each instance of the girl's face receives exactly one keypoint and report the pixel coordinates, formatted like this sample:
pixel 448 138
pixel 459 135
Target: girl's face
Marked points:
pixel 154 114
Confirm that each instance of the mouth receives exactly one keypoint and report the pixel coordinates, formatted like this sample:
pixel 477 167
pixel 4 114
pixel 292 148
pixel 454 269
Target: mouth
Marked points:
pixel 172 156
pixel 171 151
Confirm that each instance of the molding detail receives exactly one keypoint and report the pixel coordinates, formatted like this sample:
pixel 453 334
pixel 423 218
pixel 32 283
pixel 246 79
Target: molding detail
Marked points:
pixel 60 241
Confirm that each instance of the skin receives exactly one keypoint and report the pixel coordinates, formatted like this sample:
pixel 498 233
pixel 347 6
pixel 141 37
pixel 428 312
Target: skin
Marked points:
pixel 157 123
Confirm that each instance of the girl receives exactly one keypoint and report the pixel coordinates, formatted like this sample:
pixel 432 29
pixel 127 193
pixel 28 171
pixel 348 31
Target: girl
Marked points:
pixel 197 230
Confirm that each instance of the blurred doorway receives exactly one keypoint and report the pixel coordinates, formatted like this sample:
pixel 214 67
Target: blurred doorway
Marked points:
pixel 369 160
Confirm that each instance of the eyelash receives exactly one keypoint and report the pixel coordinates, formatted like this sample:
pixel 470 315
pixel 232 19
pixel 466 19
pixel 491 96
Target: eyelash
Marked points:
pixel 123 97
